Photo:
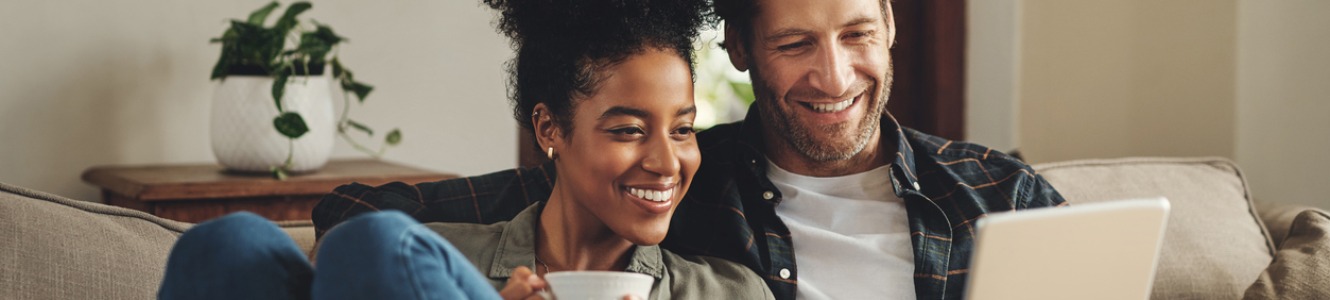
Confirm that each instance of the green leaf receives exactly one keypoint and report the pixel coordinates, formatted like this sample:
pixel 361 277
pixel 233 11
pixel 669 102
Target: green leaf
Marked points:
pixel 326 34
pixel 254 45
pixel 258 16
pixel 360 127
pixel 290 124
pixel 223 62
pixel 313 47
pixel 279 88
pixel 360 89
pixel 288 19
pixel 394 137
pixel 316 44
pixel 337 68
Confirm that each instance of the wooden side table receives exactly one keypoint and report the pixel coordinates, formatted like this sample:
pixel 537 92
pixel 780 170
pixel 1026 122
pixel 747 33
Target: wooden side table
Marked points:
pixel 194 193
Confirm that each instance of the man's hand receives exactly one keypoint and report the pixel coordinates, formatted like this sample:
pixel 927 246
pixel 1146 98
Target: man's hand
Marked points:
pixel 523 285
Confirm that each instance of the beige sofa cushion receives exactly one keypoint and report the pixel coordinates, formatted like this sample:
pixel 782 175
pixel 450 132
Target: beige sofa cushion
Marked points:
pixel 1214 246
pixel 1302 264
pixel 56 248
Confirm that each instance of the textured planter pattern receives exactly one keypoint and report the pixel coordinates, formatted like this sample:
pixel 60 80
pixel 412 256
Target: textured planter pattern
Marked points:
pixel 243 137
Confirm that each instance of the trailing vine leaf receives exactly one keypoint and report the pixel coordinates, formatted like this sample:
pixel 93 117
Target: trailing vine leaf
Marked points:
pixel 337 68
pixel 394 137
pixel 288 19
pixel 257 17
pixel 360 127
pixel 279 88
pixel 290 124
pixel 360 89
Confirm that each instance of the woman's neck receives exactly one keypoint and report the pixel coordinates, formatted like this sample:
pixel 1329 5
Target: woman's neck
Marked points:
pixel 571 238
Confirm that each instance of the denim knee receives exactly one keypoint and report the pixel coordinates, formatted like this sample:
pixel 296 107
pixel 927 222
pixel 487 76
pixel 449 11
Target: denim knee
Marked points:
pixel 388 255
pixel 235 235
pixel 240 255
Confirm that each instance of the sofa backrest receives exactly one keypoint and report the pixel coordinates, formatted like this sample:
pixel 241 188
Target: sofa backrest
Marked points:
pixel 53 247
pixel 1214 246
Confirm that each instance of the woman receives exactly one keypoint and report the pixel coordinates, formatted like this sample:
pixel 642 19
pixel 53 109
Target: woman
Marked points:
pixel 606 86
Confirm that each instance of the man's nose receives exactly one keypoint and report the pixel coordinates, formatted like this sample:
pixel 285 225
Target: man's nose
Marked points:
pixel 832 73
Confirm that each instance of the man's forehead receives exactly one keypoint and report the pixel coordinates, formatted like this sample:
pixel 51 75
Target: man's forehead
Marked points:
pixel 785 15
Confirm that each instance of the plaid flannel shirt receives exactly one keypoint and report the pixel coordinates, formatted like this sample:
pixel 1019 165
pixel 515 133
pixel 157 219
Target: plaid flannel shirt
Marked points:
pixel 729 212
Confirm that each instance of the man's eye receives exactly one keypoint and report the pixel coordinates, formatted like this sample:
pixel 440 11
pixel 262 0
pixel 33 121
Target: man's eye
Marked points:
pixel 791 46
pixel 855 35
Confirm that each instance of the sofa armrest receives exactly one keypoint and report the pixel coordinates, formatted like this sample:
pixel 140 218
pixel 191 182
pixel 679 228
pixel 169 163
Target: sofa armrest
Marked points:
pixel 1278 217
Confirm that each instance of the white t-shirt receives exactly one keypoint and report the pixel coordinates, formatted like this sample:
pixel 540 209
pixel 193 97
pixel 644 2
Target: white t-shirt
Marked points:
pixel 851 235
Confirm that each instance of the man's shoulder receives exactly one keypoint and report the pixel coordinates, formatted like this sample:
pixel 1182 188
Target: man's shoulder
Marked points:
pixel 988 175
pixel 484 198
pixel 949 152
pixel 524 178
pixel 720 135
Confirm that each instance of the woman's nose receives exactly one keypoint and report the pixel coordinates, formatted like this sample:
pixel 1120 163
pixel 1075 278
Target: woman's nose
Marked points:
pixel 661 157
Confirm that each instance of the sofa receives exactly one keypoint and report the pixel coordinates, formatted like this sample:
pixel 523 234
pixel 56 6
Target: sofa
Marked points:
pixel 1219 244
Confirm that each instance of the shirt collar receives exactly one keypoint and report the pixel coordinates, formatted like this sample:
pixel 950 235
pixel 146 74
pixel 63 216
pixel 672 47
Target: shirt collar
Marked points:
pixel 517 247
pixel 904 176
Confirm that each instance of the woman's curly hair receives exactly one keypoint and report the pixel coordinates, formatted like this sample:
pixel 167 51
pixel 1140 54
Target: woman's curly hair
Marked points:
pixel 563 46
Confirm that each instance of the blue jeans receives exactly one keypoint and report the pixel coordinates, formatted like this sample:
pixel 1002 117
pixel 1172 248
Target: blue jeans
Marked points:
pixel 381 255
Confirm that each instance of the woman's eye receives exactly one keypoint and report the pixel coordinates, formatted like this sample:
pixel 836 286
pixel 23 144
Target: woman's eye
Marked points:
pixel 685 132
pixel 627 131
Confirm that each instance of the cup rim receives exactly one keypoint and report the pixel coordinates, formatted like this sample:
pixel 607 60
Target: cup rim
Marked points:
pixel 597 274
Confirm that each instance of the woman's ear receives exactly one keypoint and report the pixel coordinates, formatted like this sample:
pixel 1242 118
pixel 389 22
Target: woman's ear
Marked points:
pixel 738 51
pixel 547 130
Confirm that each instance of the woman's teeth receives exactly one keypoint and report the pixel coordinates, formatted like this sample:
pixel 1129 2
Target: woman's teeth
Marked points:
pixel 831 107
pixel 653 195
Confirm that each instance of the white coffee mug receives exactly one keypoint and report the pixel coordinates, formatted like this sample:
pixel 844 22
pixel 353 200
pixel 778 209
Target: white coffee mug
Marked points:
pixel 598 285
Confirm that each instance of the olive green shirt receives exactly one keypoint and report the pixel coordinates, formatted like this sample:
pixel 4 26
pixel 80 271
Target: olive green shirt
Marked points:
pixel 497 248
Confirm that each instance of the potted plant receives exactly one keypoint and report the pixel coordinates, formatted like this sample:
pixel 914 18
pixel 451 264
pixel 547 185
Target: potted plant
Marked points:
pixel 272 111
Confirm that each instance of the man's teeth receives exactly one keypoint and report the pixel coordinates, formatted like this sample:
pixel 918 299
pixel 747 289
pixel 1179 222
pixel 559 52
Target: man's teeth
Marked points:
pixel 832 107
pixel 653 195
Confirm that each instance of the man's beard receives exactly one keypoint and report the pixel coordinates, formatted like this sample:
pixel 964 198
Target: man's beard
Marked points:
pixel 802 137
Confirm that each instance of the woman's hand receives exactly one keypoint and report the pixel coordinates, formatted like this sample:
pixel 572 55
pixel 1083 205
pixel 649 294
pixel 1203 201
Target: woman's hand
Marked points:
pixel 523 285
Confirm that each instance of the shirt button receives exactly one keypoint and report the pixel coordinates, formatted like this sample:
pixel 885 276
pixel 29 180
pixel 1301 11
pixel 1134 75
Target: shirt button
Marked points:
pixel 784 273
pixel 916 186
pixel 768 195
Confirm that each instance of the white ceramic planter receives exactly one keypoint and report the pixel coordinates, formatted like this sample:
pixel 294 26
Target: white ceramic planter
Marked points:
pixel 243 137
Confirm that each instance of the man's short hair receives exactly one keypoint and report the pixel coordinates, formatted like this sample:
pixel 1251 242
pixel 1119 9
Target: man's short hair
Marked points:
pixel 739 14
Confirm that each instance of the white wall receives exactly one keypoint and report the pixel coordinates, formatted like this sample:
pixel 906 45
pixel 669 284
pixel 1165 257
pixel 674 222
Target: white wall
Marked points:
pixel 1243 79
pixel 89 82
pixel 1283 103
pixel 992 75
pixel 1127 78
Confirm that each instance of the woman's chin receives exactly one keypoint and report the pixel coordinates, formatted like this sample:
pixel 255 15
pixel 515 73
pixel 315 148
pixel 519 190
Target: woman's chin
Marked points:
pixel 651 241
pixel 646 237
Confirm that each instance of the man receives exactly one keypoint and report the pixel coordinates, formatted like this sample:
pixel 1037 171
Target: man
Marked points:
pixel 817 174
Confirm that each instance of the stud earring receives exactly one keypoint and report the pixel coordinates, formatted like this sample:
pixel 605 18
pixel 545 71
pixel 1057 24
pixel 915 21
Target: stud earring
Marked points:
pixel 550 153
